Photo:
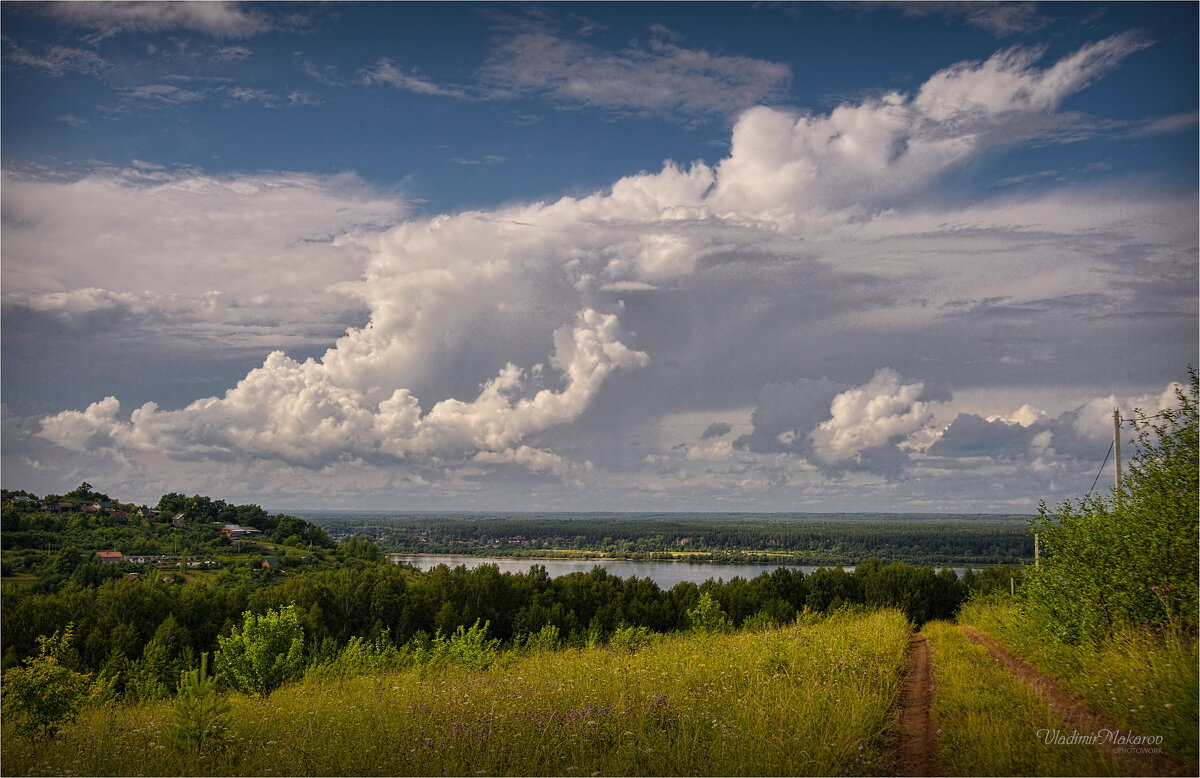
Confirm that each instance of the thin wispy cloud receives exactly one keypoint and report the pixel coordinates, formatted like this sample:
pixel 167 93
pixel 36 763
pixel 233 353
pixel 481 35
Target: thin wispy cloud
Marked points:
pixel 56 60
pixel 658 78
pixel 232 53
pixel 486 159
pixel 167 94
pixel 1166 125
pixel 218 19
pixel 1002 19
pixel 386 72
pixel 268 99
pixel 78 122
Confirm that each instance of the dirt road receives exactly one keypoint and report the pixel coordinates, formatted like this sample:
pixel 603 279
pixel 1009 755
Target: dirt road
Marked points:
pixel 1072 710
pixel 918 741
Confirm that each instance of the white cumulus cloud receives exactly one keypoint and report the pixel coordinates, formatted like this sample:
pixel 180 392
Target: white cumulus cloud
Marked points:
pixel 294 411
pixel 878 414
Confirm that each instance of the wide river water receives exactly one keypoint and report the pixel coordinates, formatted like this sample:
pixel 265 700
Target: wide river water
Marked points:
pixel 665 574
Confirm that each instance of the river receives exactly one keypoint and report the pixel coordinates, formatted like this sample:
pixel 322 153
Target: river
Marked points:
pixel 665 574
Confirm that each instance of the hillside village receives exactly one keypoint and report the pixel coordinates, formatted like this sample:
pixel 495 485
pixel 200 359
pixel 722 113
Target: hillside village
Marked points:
pixel 88 535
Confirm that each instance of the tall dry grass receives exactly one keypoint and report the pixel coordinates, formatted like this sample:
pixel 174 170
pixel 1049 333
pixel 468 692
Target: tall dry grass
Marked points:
pixel 811 699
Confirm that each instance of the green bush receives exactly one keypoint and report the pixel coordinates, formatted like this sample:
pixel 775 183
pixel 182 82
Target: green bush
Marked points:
pixel 545 639
pixel 267 651
pixel 627 638
pixel 759 622
pixel 707 616
pixel 363 657
pixel 41 695
pixel 1127 559
pixel 468 648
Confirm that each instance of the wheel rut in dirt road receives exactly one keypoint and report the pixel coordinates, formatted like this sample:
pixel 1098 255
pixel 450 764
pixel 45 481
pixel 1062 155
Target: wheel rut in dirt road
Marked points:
pixel 918 736
pixel 1072 710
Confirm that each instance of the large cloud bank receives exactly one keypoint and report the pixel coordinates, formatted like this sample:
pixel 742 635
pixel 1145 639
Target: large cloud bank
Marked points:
pixel 300 413
pixel 817 237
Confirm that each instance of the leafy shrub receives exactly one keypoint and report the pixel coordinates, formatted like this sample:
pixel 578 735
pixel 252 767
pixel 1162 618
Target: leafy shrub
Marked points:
pixel 707 616
pixel 42 694
pixel 362 657
pixel 593 636
pixel 267 651
pixel 468 648
pixel 545 639
pixel 142 683
pixel 104 691
pixel 626 638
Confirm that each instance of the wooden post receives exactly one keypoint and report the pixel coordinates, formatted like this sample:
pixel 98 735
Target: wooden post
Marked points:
pixel 1012 586
pixel 1037 552
pixel 1117 454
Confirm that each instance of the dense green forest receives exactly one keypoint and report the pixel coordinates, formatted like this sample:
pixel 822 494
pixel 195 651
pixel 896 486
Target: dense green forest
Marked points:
pixel 144 632
pixel 813 539
pixel 140 625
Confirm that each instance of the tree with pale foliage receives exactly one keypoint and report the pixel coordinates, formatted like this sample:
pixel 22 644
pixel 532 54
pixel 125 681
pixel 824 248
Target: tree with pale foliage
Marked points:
pixel 265 652
pixel 707 616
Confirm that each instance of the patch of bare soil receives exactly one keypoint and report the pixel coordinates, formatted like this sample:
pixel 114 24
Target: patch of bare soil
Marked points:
pixel 918 732
pixel 1074 713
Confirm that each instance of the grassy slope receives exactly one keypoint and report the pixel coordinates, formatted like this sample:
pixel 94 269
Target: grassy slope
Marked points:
pixel 989 720
pixel 1149 685
pixel 806 700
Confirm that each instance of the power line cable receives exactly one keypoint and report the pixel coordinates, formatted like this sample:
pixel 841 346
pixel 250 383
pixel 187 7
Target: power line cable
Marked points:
pixel 1101 470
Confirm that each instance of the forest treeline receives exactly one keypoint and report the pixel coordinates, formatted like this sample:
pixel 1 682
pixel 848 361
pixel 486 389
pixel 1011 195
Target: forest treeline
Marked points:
pixel 797 539
pixel 138 626
pixel 143 634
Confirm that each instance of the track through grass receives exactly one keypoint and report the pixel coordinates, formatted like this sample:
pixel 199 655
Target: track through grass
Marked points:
pixel 991 723
pixel 1141 682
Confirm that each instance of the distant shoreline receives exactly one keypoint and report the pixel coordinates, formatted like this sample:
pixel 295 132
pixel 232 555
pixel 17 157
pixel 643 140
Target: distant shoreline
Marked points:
pixel 584 515
pixel 849 566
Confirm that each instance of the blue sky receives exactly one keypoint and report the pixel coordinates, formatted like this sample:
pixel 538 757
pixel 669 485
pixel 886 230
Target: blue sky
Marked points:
pixel 592 256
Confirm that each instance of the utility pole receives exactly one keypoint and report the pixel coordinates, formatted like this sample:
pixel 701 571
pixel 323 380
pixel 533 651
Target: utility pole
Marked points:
pixel 1037 552
pixel 1117 454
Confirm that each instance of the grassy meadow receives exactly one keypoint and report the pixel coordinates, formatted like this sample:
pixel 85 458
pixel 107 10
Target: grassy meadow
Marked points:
pixel 814 698
pixel 1143 682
